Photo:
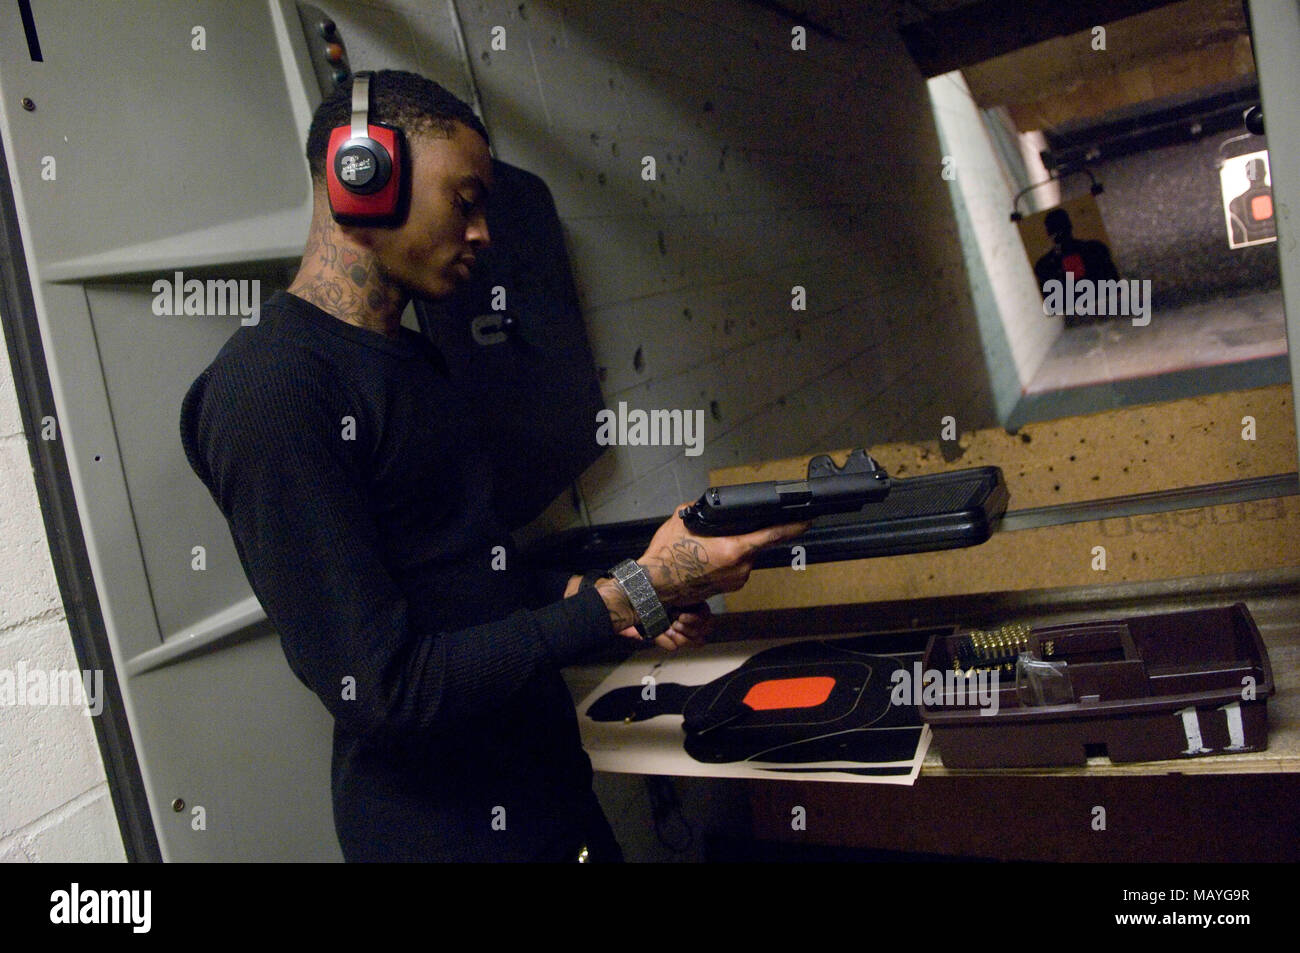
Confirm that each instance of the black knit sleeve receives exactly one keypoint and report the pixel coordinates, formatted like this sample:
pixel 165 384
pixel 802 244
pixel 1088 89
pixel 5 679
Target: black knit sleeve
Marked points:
pixel 549 584
pixel 266 440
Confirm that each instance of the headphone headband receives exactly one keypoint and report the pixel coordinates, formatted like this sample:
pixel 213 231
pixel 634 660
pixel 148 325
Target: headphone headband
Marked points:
pixel 360 104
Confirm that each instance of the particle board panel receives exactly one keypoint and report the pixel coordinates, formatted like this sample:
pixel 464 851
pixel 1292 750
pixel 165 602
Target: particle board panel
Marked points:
pixel 1093 97
pixel 1134 44
pixel 1237 537
pixel 1111 454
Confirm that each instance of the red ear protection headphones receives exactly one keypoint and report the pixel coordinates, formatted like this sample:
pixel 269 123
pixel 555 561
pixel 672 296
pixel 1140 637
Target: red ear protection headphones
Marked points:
pixel 364 166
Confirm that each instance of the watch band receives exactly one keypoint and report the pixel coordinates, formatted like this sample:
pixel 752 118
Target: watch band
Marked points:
pixel 652 618
pixel 590 578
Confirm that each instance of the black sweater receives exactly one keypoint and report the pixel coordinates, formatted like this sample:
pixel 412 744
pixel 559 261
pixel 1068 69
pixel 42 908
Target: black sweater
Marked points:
pixel 361 509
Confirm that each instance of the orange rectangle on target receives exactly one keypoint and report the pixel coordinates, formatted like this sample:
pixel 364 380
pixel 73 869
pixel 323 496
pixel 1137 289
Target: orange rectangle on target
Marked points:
pixel 790 693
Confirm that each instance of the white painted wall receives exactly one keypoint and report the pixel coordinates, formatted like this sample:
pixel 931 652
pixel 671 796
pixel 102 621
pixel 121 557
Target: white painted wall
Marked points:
pixel 1016 333
pixel 54 800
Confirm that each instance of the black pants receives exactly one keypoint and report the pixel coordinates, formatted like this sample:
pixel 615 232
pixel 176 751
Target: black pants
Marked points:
pixel 598 840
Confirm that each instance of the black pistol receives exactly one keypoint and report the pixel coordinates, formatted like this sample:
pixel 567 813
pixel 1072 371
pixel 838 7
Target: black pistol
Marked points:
pixel 732 510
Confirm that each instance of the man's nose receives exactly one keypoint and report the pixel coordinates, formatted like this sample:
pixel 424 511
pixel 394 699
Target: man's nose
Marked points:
pixel 477 232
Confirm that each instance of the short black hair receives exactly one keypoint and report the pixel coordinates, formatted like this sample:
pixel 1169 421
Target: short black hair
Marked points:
pixel 405 100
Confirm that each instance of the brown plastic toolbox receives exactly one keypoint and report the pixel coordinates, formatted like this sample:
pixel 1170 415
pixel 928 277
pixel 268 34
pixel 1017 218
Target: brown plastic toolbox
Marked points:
pixel 1146 688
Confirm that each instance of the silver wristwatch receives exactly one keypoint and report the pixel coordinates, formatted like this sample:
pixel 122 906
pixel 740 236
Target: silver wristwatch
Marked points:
pixel 652 618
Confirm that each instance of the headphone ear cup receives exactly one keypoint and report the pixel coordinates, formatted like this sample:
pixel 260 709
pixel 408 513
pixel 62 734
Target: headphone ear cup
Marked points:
pixel 366 177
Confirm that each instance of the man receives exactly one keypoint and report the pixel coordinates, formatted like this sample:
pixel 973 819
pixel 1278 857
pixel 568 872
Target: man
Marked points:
pixel 361 507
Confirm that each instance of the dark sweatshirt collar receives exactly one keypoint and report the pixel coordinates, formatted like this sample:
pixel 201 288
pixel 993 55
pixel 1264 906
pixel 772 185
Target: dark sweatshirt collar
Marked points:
pixel 407 344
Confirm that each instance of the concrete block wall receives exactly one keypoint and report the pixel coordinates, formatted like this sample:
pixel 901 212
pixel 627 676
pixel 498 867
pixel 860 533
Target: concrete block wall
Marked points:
pixel 775 168
pixel 54 799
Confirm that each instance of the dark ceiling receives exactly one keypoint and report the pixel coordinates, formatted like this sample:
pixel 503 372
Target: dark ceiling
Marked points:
pixel 944 35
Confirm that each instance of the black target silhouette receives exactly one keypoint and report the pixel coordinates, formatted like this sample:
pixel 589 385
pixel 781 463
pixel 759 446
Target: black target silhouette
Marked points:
pixel 797 704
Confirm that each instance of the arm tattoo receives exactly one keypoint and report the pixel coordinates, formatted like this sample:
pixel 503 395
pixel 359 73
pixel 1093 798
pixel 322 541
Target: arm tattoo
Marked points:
pixel 681 567
pixel 621 615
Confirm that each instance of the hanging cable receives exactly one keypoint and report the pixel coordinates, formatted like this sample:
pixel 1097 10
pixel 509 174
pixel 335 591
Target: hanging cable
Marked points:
pixel 1096 188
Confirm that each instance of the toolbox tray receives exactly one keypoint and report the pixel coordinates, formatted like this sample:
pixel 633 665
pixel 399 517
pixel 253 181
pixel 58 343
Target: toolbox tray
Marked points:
pixel 1146 688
